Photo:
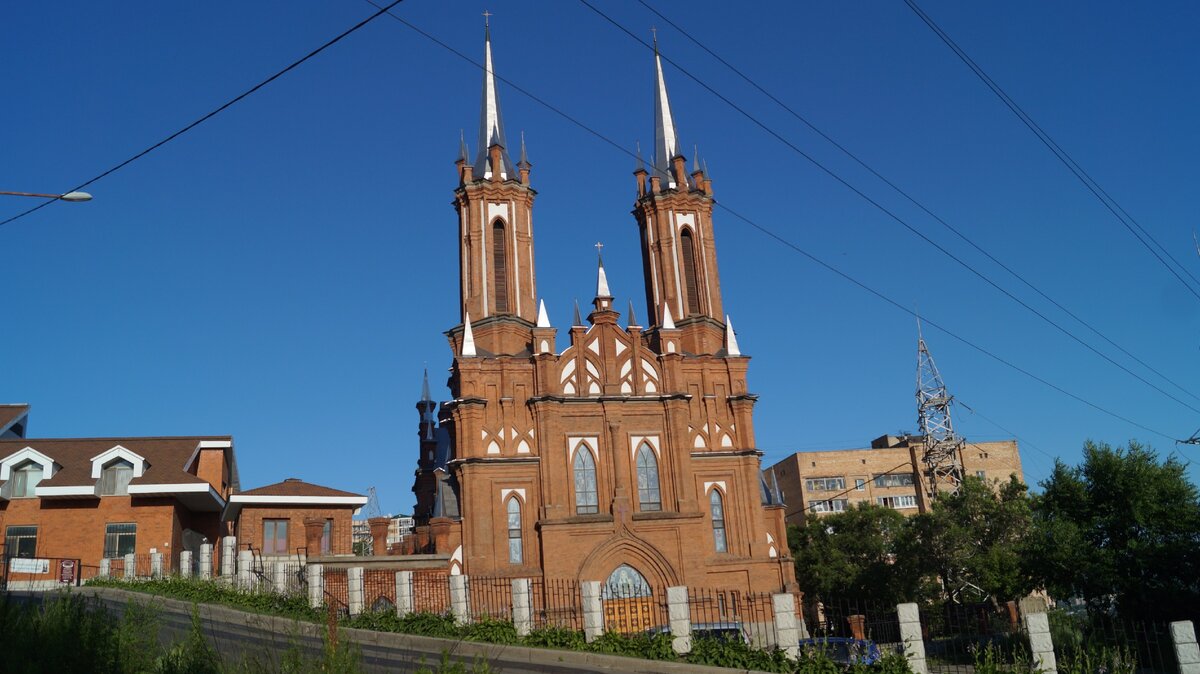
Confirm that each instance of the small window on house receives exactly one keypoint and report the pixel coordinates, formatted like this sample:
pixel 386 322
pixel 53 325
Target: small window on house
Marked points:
pixel 586 501
pixel 275 537
pixel 835 505
pixel 499 267
pixel 114 479
pixel 898 502
pixel 25 478
pixel 981 474
pixel 717 508
pixel 687 254
pixel 119 540
pixel 825 484
pixel 326 536
pixel 515 553
pixel 649 496
pixel 20 541
pixel 860 484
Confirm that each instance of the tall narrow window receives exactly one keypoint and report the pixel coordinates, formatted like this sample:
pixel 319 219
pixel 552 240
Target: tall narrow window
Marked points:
pixel 25 479
pixel 586 502
pixel 20 541
pixel 514 531
pixel 649 496
pixel 717 508
pixel 119 540
pixel 499 267
pixel 687 255
pixel 326 536
pixel 275 537
pixel 114 479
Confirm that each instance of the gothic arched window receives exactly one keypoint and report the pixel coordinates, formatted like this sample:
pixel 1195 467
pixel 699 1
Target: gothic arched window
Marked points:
pixel 586 501
pixel 514 531
pixel 687 255
pixel 717 508
pixel 499 267
pixel 649 496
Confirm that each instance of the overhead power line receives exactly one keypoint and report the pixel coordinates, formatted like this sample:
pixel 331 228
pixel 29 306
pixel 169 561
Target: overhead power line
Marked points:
pixel 213 113
pixel 892 215
pixel 1090 183
pixel 785 242
pixel 911 199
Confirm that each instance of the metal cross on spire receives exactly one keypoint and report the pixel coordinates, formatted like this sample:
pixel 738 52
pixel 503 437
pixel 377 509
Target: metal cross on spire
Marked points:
pixel 486 16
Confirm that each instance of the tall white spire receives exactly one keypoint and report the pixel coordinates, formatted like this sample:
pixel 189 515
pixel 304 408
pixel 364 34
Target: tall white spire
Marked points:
pixel 468 347
pixel 731 345
pixel 491 122
pixel 601 279
pixel 543 320
pixel 666 141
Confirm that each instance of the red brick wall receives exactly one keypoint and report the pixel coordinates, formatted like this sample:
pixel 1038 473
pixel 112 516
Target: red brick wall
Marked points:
pixel 250 525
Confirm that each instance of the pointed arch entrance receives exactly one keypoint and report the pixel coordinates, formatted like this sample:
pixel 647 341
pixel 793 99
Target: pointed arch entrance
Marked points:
pixel 631 604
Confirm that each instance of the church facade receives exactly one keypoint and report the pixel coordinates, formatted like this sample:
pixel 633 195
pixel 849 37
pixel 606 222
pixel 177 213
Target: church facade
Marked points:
pixel 599 451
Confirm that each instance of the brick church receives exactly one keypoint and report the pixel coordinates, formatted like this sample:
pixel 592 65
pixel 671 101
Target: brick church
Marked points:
pixel 610 452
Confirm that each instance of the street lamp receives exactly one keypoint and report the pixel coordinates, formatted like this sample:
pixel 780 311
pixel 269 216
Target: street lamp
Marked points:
pixel 69 196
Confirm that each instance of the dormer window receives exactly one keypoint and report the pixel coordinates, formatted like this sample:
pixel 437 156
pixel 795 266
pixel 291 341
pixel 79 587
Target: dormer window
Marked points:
pixel 115 477
pixel 24 480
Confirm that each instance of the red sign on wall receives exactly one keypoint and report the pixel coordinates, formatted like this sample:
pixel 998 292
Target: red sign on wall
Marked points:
pixel 66 571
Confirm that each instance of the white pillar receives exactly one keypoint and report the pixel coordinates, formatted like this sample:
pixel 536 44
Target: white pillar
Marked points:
pixel 1187 653
pixel 130 566
pixel 156 564
pixel 206 561
pixel 593 611
pixel 354 579
pixel 1040 644
pixel 404 593
pixel 105 567
pixel 245 560
pixel 910 633
pixel 460 602
pixel 228 558
pixel 316 584
pixel 522 603
pixel 787 633
pixel 185 564
pixel 680 616
pixel 279 575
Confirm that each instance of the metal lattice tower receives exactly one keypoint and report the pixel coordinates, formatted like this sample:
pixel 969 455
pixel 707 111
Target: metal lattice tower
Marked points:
pixel 943 448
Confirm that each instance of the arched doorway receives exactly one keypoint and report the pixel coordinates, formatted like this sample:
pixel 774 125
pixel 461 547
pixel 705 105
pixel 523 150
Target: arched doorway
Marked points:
pixel 630 603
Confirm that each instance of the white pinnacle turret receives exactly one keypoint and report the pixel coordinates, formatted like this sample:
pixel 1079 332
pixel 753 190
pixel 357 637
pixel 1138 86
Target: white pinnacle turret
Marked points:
pixel 468 347
pixel 731 345
pixel 602 280
pixel 668 322
pixel 543 320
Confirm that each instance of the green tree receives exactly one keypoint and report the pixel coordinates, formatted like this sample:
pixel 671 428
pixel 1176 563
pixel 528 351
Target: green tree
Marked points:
pixel 973 542
pixel 1122 530
pixel 850 555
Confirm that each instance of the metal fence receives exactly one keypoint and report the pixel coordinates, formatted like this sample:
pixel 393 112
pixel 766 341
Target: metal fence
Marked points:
pixel 961 637
pixel 40 573
pixel 490 598
pixel 1098 642
pixel 557 602
pixel 851 618
pixel 732 614
pixel 379 590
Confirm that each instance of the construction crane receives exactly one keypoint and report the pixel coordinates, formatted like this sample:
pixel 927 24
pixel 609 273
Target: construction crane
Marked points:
pixel 943 448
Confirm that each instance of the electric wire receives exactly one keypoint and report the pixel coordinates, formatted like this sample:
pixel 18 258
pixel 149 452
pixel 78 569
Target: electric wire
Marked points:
pixel 893 216
pixel 957 232
pixel 1090 183
pixel 211 114
pixel 785 242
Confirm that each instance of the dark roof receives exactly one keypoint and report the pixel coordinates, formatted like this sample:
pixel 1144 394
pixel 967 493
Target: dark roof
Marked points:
pixel 296 487
pixel 166 458
pixel 11 413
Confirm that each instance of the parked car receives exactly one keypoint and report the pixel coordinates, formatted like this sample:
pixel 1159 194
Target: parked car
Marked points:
pixel 728 631
pixel 845 650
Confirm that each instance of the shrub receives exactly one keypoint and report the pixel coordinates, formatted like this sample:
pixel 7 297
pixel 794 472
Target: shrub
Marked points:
pixel 556 637
pixel 492 631
pixel 738 654
pixel 647 646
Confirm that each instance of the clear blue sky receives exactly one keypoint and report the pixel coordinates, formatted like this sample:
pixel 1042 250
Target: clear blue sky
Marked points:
pixel 283 272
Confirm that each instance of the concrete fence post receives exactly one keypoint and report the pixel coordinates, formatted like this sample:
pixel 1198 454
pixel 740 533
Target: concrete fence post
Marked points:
pixel 1187 653
pixel 404 593
pixel 206 561
pixel 105 568
pixel 185 564
pixel 787 632
pixel 522 606
pixel 228 558
pixel 354 579
pixel 909 616
pixel 316 584
pixel 460 600
pixel 1040 644
pixel 245 563
pixel 679 613
pixel 156 564
pixel 130 566
pixel 593 610
pixel 279 576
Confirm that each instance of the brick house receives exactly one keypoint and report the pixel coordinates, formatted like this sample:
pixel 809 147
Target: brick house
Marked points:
pixel 271 519
pixel 887 473
pixel 625 454
pixel 97 498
